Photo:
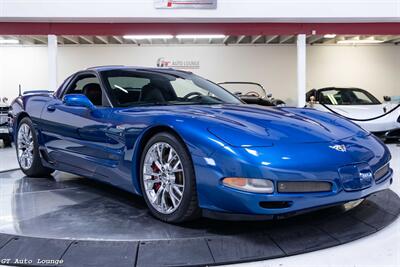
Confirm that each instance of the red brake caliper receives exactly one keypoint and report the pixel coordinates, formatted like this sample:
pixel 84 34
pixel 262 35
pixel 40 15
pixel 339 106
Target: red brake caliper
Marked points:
pixel 155 169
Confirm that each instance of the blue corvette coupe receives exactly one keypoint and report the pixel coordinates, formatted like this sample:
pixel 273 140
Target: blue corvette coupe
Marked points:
pixel 190 148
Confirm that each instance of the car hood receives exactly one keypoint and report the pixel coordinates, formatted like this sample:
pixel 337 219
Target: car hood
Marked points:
pixel 248 125
pixel 362 111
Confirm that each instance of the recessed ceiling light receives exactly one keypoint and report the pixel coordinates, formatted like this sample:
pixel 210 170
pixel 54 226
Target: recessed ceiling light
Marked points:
pixel 141 37
pixel 330 35
pixel 9 41
pixel 200 36
pixel 363 41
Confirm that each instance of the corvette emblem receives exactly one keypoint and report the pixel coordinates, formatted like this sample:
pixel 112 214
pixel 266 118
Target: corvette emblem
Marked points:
pixel 340 148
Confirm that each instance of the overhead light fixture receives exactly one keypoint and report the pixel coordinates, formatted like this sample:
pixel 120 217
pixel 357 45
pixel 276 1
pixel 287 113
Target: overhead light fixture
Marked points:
pixel 9 41
pixel 329 35
pixel 200 36
pixel 142 37
pixel 362 41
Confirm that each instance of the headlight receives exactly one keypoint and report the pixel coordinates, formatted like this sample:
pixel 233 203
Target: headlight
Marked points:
pixel 249 184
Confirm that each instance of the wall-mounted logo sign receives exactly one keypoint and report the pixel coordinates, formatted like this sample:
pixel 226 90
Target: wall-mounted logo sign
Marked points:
pixel 178 64
pixel 188 4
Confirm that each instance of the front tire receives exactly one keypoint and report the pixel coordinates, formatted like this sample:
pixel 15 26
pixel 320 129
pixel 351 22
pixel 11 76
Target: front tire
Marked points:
pixel 27 148
pixel 167 179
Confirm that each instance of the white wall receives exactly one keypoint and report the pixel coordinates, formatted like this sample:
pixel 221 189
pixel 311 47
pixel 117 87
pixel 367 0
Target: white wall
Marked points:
pixel 375 68
pixel 272 66
pixel 22 65
pixel 228 10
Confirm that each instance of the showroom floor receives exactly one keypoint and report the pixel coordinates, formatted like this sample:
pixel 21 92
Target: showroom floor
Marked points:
pixel 380 249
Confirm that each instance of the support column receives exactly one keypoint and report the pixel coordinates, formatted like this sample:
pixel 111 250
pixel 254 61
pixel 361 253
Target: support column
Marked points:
pixel 52 61
pixel 301 70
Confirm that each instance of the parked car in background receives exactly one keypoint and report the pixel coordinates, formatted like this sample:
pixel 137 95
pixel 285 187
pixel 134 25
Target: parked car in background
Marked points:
pixel 4 133
pixel 392 99
pixel 361 107
pixel 252 93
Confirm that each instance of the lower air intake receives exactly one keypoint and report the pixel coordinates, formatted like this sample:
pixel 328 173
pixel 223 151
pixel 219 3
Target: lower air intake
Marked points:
pixel 304 187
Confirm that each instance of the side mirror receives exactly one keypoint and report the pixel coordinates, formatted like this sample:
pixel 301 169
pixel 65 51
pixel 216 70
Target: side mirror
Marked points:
pixel 78 100
pixel 269 95
pixel 238 94
pixel 387 98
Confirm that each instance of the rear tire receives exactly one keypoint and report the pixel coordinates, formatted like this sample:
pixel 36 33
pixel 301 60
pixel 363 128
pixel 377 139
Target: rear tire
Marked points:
pixel 7 141
pixel 27 147
pixel 167 179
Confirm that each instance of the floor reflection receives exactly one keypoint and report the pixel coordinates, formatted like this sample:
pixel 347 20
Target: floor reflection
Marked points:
pixel 67 206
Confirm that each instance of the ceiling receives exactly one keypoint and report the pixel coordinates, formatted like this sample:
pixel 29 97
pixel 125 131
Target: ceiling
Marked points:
pixel 227 40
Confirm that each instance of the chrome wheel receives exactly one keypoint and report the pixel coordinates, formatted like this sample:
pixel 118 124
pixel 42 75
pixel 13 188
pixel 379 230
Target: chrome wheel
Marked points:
pixel 25 146
pixel 163 177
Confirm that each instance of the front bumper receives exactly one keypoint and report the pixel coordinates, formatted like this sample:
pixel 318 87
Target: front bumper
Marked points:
pixel 299 203
pixel 291 162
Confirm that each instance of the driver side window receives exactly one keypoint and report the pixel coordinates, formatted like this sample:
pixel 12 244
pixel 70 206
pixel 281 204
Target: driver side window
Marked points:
pixel 88 85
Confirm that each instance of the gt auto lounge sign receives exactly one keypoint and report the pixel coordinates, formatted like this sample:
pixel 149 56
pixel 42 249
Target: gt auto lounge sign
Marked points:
pixel 178 64
pixel 189 4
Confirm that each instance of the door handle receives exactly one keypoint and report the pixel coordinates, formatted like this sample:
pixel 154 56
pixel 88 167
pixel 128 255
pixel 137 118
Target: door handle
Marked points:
pixel 51 108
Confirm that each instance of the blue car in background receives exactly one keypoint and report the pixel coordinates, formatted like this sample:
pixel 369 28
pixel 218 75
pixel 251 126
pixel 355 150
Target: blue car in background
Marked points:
pixel 191 148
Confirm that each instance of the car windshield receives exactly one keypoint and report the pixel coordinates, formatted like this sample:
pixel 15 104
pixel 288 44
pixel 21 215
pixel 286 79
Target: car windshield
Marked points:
pixel 159 87
pixel 244 88
pixel 351 96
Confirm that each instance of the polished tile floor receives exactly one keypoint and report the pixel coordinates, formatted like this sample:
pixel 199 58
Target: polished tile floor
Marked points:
pixel 380 249
pixel 8 159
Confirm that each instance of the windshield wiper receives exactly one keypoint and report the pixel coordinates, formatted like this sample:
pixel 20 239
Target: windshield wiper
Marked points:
pixel 153 104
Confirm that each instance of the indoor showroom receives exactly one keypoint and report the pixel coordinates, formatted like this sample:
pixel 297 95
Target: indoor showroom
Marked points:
pixel 200 133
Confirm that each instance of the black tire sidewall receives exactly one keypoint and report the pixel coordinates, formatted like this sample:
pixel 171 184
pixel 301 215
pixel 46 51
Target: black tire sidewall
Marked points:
pixel 6 140
pixel 181 212
pixel 36 168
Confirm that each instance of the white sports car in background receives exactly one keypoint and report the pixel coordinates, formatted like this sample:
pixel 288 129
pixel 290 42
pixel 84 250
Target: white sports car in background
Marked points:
pixel 358 105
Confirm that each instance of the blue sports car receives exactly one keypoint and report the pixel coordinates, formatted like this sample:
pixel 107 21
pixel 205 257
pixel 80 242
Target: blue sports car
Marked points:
pixel 191 148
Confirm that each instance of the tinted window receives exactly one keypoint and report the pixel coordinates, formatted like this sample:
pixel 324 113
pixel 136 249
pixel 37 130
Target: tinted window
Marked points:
pixel 87 84
pixel 148 87
pixel 347 97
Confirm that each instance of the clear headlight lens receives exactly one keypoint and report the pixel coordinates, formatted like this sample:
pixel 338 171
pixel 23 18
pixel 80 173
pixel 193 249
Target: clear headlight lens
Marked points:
pixel 249 184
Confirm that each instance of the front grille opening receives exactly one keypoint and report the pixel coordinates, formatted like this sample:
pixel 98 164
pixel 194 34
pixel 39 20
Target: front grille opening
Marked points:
pixel 304 187
pixel 275 204
pixel 379 174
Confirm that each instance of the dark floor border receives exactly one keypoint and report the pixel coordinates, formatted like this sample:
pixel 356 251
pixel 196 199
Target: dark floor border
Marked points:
pixel 9 170
pixel 292 236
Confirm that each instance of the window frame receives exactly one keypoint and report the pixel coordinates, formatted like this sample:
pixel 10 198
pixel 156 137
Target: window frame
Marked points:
pixel 72 80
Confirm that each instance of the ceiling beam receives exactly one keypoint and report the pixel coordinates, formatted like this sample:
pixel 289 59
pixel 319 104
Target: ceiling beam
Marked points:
pixel 314 38
pixel 284 39
pixel 395 41
pixel 88 39
pixel 102 39
pixel 240 39
pixel 271 38
pixel 72 39
pixel 39 39
pixel 118 39
pixel 225 41
pixel 254 39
